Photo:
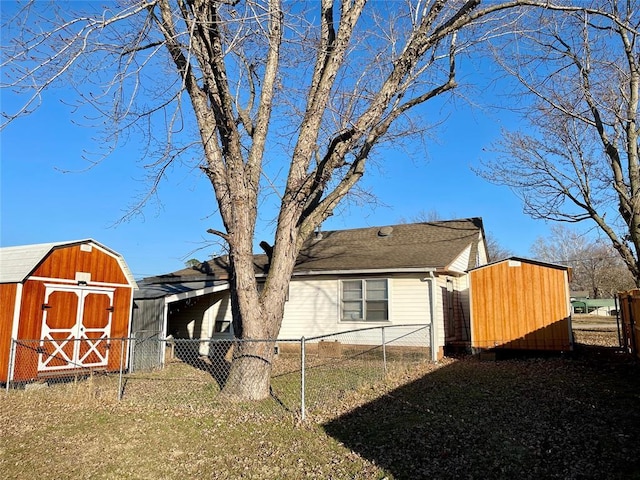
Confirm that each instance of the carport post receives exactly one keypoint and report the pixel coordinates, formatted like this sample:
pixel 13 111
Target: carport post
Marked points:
pixel 302 379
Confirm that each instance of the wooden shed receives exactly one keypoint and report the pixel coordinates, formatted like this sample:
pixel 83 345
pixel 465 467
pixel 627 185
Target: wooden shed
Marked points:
pixel 520 304
pixel 63 303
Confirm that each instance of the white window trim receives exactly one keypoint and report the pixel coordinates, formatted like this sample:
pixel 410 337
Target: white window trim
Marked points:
pixel 364 320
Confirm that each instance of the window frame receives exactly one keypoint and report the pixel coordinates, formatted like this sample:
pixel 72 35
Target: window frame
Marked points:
pixel 365 301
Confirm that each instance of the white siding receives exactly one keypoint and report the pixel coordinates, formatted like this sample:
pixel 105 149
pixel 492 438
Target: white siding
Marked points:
pixel 313 308
pixel 483 257
pixel 440 285
pixel 195 318
pixel 409 301
pixel 461 263
pixel 220 311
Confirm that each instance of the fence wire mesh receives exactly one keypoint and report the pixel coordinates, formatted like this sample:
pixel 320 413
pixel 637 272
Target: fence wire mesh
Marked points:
pixel 302 374
pixel 67 362
pixel 341 362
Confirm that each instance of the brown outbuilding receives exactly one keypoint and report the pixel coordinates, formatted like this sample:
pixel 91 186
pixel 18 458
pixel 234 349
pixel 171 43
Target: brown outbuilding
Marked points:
pixel 520 304
pixel 61 304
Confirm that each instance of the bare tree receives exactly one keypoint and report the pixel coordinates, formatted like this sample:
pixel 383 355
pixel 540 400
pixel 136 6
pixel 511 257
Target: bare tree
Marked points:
pixel 422 216
pixel 596 266
pixel 496 250
pixel 242 85
pixel 577 157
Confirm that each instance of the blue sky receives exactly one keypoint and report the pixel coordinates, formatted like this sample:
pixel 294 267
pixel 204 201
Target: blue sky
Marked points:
pixel 40 202
pixel 48 193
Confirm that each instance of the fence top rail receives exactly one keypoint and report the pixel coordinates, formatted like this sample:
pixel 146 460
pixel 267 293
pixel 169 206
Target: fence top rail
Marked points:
pixel 231 339
pixel 417 327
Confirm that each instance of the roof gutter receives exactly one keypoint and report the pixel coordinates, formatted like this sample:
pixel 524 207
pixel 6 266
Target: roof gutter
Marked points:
pixel 369 271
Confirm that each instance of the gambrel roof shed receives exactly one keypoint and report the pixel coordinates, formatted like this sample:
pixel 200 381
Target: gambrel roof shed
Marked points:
pixel 62 303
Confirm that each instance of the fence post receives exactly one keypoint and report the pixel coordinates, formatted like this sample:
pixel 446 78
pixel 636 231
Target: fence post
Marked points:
pixel 122 347
pixel 617 304
pixel 12 359
pixel 632 325
pixel 384 352
pixel 302 379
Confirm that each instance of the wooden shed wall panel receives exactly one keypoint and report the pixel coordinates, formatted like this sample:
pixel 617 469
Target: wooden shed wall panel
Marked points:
pixel 63 263
pixel 31 310
pixel 121 313
pixel 630 317
pixel 8 293
pixel 520 307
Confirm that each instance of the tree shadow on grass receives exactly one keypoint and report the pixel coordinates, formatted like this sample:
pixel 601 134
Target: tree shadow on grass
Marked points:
pixel 215 364
pixel 519 418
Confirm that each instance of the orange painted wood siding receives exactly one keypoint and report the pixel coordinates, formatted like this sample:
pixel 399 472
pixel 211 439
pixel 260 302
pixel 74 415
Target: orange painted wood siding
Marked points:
pixel 31 310
pixel 7 303
pixel 65 262
pixel 61 263
pixel 30 329
pixel 520 307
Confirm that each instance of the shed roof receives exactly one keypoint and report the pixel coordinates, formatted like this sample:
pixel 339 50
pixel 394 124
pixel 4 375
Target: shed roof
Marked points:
pixel 16 263
pixel 524 260
pixel 404 247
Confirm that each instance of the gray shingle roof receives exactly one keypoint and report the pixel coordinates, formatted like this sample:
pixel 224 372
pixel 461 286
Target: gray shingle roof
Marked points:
pixel 429 245
pixel 418 245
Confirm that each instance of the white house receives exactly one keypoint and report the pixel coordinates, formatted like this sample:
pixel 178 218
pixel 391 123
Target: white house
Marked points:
pixel 343 280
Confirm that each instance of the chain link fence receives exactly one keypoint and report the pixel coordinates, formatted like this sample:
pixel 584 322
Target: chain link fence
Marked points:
pixel 96 363
pixel 146 369
pixel 337 363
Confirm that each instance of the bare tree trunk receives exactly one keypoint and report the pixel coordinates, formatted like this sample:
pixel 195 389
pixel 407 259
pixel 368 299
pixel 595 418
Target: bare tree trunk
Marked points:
pixel 261 318
pixel 250 374
pixel 344 79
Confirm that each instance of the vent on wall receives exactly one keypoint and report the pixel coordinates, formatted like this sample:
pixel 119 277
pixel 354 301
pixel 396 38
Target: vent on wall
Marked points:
pixel 385 231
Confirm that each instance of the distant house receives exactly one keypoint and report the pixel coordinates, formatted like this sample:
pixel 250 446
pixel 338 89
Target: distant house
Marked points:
pixel 593 306
pixel 343 280
pixel 62 302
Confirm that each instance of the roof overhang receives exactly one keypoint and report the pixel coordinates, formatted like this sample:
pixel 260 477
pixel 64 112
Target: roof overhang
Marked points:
pixel 524 260
pixel 196 293
pixel 366 271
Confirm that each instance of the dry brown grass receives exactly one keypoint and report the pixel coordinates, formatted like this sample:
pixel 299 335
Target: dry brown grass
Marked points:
pixel 557 417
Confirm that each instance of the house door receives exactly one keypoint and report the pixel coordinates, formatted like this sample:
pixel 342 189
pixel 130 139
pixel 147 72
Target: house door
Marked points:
pixel 76 325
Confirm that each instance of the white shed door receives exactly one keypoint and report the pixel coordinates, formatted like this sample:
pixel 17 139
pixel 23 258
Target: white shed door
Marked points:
pixel 76 325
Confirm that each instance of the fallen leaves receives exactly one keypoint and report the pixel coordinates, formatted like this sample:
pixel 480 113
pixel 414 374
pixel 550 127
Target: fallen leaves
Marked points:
pixel 573 416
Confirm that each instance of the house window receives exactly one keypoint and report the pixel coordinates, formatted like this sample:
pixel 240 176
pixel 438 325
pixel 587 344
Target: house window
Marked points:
pixel 366 300
pixel 222 326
